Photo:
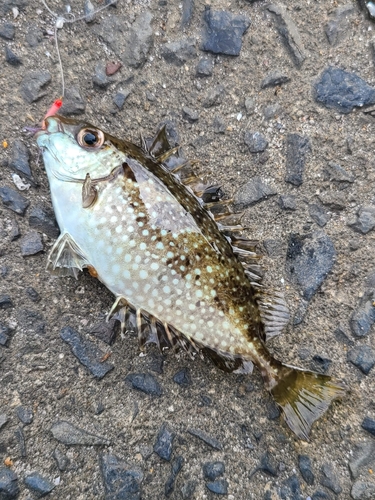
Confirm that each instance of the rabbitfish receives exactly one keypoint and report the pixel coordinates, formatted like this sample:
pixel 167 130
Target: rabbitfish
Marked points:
pixel 152 236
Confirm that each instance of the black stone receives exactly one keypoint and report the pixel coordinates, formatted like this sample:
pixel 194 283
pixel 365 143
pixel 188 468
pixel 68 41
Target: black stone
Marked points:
pixel 62 460
pixel 211 441
pixel 205 67
pixel 273 411
pixel 120 482
pixel 38 484
pixel 86 352
pixel 274 79
pixel 43 219
pixel 321 364
pixel 11 57
pixel 9 489
pixel 287 202
pixel 120 98
pixel 319 214
pixel 106 330
pixel 329 478
pixel 182 377
pixel 164 443
pixel 363 317
pixel 20 158
pixel 4 334
pixel 155 362
pixel 144 382
pixel 342 336
pixel 255 141
pixel 297 147
pixel 20 438
pixel 69 434
pixel 177 464
pixel 214 97
pixel 304 464
pixel 14 233
pixel 213 470
pixel 33 294
pixel 365 220
pixel 100 78
pixel 188 490
pixel 73 103
pixel 363 357
pixel 25 414
pixel 267 466
pixel 31 244
pixel 220 487
pixel 321 495
pixel 32 85
pixel 7 31
pixel 179 52
pixel 309 259
pixel 343 91
pixel 13 200
pixel 369 425
pixel 6 302
pixel 252 192
pixel 187 12
pixel 223 32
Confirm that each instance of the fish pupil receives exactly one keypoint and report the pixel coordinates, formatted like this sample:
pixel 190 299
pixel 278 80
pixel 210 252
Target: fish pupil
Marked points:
pixel 90 139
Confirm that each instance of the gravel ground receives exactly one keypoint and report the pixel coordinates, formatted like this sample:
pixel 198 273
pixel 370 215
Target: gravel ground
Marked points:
pixel 276 104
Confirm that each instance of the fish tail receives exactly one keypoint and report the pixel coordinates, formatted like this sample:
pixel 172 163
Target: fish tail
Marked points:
pixel 303 396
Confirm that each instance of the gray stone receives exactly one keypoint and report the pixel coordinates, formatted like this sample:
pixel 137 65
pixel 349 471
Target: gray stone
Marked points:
pixel 144 382
pixel 289 33
pixel 89 11
pixel 321 495
pixel 309 259
pixel 13 200
pixel 176 467
pixel 7 31
pixel 190 115
pixel 335 200
pixel 34 36
pixel 320 363
pixel 368 425
pixel 20 438
pixel 337 28
pixel 274 79
pixel 365 220
pixel 291 489
pixel 73 103
pixel 188 490
pixel 9 489
pixel 287 202
pixel 32 85
pixel 187 12
pixel 14 233
pixel 220 487
pixel 363 457
pixel 255 141
pixel 38 484
pixel 62 460
pixel 343 91
pixel 11 58
pixel 100 78
pixel 214 96
pixel 3 420
pixel 363 357
pixel 363 490
pixel 272 111
pixel 253 192
pixel 213 470
pixel 6 302
pixel 297 147
pixel 334 172
pixel 31 244
pixel 69 434
pixel 25 414
pixel 219 125
pixel 43 219
pixel 179 52
pixel 329 478
pixel 205 67
pixel 20 158
pixel 164 443
pixel 274 248
pixel 120 482
pixel 7 5
pixel 86 352
pixel 120 98
pixel 250 105
pixel 223 32
pixel 182 377
pixel 211 441
pixel 363 316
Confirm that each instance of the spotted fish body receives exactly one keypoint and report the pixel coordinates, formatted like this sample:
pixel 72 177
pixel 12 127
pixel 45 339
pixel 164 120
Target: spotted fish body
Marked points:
pixel 153 243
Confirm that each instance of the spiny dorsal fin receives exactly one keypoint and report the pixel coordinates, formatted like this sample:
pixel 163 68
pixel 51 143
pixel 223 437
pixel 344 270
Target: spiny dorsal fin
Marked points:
pixel 159 144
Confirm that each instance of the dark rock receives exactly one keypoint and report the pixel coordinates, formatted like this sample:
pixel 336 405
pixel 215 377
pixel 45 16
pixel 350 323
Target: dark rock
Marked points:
pixel 338 26
pixel 363 357
pixel 309 259
pixel 179 52
pixel 13 200
pixel 182 377
pixel 73 103
pixel 253 192
pixel 187 12
pixel 14 233
pixel 20 438
pixel 289 33
pixel 365 220
pixel 267 466
pixel 321 364
pixel 86 352
pixel 120 98
pixel 25 414
pixel 20 158
pixel 4 339
pixel 318 214
pixel 164 443
pixel 287 202
pixel 120 482
pixel 321 495
pixel 213 470
pixel 342 336
pixel 214 96
pixel 89 11
pixel 144 382
pixel 34 36
pixel 7 31
pixel 69 434
pixel 38 484
pixel 190 115
pixel 211 441
pixel 343 91
pixel 6 302
pixel 139 41
pixel 220 487
pixel 301 311
pixel 33 294
pixel 43 219
pixel 205 67
pixel 334 172
pixel 177 464
pixel 219 125
pixel 32 321
pixel 3 421
pixel 11 57
pixel 274 79
pixel 32 85
pixel 297 147
pixel 304 464
pixel 363 457
pixel 363 317
pixel 31 244
pixel 223 32
pixel 290 489
pixel 155 362
pixel 62 460
pixel 329 478
pixel 255 141
pixel 100 78
pixel 271 111
pixel 335 200
pixel 150 96
pixel 369 425
pixel 188 490
pixel 106 330
pixel 363 490
pixel 9 489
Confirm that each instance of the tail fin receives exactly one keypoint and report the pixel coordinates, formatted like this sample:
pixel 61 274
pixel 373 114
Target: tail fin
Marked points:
pixel 304 397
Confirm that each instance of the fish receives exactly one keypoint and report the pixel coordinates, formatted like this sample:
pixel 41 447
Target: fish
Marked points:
pixel 167 246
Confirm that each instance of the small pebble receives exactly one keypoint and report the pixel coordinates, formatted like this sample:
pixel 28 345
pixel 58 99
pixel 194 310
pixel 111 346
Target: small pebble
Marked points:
pixel 43 219
pixel 120 482
pixel 6 302
pixel 9 489
pixel 304 464
pixel 164 443
pixel 211 441
pixel 31 244
pixel 255 141
pixel 190 115
pixel 274 79
pixel 144 382
pixel 329 478
pixel 369 425
pixel 7 31
pixel 297 147
pixel 62 460
pixel 120 98
pixel 14 200
pixel 176 467
pixel 213 470
pixel 3 421
pixel 220 487
pixel 363 357
pixel 38 484
pixel 205 67
pixel 69 434
pixel 32 85
pixel 182 377
pixel 25 414
pixel 100 78
pixel 287 202
pixel 11 57
pixel 33 294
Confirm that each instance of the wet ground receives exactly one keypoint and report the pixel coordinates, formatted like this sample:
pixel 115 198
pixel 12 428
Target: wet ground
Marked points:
pixel 302 170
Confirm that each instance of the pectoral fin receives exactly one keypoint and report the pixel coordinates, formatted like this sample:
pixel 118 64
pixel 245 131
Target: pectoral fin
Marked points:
pixel 66 258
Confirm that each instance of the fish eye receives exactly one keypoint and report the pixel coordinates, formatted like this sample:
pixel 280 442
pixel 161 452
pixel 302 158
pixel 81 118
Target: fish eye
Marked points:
pixel 90 138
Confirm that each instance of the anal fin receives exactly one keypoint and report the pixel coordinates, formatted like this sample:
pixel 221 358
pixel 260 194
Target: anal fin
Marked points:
pixel 66 258
pixel 274 312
